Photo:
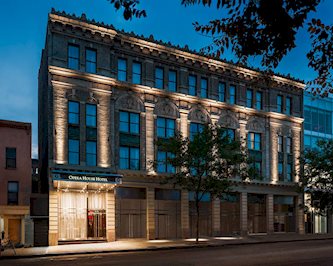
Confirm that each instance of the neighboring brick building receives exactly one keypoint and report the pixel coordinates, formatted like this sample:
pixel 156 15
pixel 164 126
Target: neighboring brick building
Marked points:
pixel 15 180
pixel 105 96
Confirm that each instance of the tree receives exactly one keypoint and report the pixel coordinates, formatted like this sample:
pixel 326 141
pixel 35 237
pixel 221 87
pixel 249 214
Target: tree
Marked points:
pixel 264 29
pixel 204 163
pixel 317 176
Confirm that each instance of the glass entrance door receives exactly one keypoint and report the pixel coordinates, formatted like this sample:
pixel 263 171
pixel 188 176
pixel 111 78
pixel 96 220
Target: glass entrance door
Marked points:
pixel 82 216
pixel 96 224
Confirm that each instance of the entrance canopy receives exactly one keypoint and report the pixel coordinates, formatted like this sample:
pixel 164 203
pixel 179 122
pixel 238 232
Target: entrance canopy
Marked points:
pixel 66 179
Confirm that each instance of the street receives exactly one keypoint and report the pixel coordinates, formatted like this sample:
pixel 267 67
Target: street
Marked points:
pixel 319 252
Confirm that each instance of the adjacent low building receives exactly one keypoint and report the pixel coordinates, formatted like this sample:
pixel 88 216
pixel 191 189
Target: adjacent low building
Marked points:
pixel 15 181
pixel 106 96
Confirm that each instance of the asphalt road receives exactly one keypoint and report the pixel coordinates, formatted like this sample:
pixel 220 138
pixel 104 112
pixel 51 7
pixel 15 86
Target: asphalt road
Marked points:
pixel 319 252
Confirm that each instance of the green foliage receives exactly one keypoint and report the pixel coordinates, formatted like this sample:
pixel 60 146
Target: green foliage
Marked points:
pixel 317 176
pixel 207 163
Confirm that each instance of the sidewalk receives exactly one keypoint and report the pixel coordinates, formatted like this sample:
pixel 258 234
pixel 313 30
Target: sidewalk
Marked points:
pixel 149 245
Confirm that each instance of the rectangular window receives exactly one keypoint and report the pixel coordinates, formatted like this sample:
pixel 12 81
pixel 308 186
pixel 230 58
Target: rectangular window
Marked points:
pixel 192 85
pixel 129 122
pixel 129 158
pixel 136 73
pixel 288 105
pixel 10 157
pixel 91 60
pixel 229 133
pixel 91 114
pixel 221 91
pixel 232 94
pixel 204 86
pixel 280 171
pixel 254 141
pixel 165 127
pixel 249 98
pixel 159 78
pixel 73 151
pixel 172 85
pixel 259 100
pixel 280 143
pixel 12 192
pixel 91 153
pixel 279 104
pixel 195 128
pixel 122 69
pixel 289 172
pixel 73 113
pixel 289 145
pixel 73 56
pixel 163 166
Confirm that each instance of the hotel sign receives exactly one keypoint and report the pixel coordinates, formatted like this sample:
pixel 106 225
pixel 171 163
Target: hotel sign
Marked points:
pixel 86 177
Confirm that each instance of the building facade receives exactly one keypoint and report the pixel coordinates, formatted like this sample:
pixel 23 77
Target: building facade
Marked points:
pixel 318 121
pixel 106 96
pixel 15 181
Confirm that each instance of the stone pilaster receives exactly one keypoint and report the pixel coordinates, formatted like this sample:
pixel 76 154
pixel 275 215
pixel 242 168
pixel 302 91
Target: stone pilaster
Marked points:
pixel 53 218
pixel 300 215
pixel 184 128
pixel 150 213
pixel 185 215
pixel 243 213
pixel 274 153
pixel 297 141
pixel 216 217
pixel 149 136
pixel 110 216
pixel 270 213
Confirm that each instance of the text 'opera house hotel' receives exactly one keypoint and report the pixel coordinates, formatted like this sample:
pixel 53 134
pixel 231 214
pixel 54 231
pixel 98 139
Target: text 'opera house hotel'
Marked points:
pixel 106 96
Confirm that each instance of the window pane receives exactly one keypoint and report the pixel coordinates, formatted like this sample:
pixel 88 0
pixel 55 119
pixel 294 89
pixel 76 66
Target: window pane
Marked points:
pixel 134 123
pixel 124 123
pixel 122 69
pixel 192 83
pixel 288 105
pixel 249 98
pixel 161 159
pixel 279 104
pixel 136 79
pixel 172 80
pixel 73 151
pixel 73 57
pixel 12 186
pixel 134 158
pixel 232 94
pixel 204 85
pixel 124 158
pixel 159 73
pixel 259 100
pixel 91 115
pixel 90 61
pixel 73 112
pixel 221 91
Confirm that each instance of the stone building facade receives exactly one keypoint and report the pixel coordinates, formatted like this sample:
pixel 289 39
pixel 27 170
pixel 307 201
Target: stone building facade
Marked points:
pixel 106 96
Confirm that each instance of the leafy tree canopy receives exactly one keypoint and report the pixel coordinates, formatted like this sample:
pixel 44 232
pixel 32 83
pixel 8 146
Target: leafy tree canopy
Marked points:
pixel 264 29
pixel 205 163
pixel 317 178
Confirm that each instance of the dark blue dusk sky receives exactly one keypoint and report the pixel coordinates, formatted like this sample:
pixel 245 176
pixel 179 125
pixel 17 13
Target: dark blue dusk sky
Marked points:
pixel 23 26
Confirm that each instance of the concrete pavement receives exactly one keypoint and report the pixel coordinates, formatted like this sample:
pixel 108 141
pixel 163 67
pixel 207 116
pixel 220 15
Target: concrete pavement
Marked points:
pixel 150 245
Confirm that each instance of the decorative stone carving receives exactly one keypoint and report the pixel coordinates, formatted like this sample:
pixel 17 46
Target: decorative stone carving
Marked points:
pixel 255 124
pixel 165 107
pixel 130 102
pixel 92 98
pixel 199 115
pixel 228 121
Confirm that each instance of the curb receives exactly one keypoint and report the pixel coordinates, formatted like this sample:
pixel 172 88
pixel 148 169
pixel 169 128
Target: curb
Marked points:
pixel 156 248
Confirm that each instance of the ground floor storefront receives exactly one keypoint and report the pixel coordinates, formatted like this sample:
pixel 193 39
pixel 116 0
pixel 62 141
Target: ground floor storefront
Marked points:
pixel 104 212
pixel 16 224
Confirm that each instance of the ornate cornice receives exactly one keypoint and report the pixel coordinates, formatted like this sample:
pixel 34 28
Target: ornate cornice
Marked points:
pixel 168 51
